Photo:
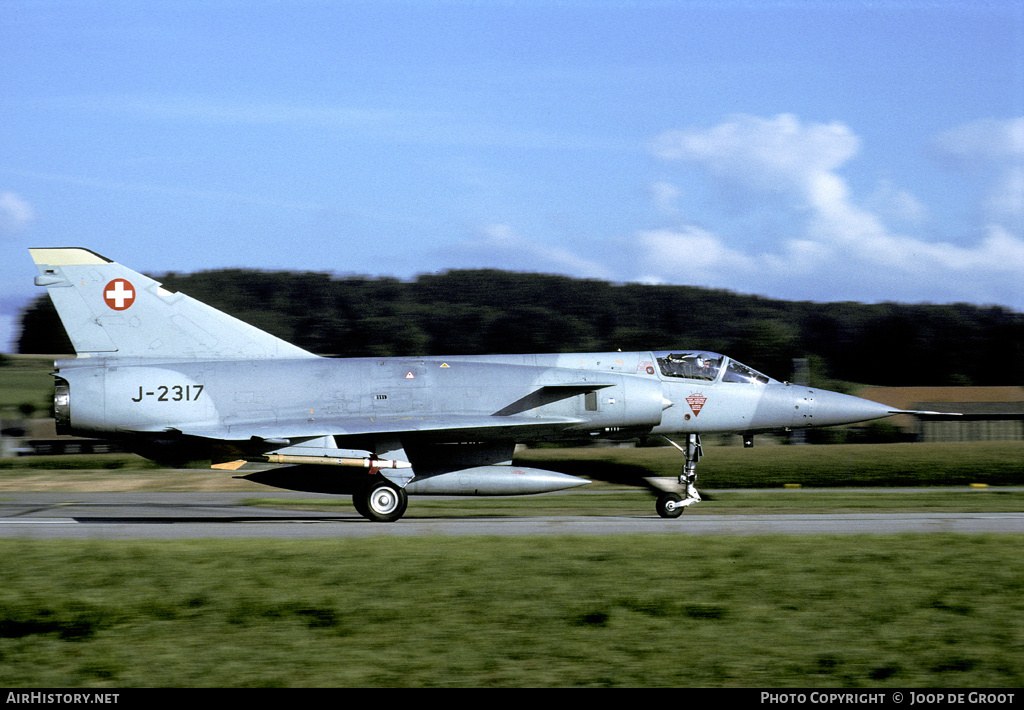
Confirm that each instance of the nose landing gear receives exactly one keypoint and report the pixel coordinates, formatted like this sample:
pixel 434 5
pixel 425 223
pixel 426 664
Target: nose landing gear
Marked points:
pixel 671 504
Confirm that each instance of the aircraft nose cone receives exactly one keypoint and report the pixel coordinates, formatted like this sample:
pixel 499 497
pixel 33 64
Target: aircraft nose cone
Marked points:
pixel 831 408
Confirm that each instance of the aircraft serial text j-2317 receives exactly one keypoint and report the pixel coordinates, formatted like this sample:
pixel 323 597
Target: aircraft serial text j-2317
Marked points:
pixel 175 380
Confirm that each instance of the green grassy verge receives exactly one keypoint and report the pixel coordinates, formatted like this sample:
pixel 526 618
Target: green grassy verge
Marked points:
pixel 909 611
pixel 828 466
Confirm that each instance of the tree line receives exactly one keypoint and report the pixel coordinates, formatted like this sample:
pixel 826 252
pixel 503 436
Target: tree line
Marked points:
pixel 489 311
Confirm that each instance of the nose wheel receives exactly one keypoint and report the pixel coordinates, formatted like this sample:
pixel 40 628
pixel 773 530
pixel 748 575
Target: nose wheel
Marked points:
pixel 671 504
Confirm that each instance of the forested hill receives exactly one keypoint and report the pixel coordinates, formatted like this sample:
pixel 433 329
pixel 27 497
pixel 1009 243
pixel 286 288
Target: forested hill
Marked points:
pixel 487 311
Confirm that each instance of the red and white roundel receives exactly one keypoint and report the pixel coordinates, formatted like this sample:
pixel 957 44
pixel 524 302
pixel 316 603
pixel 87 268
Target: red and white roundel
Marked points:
pixel 119 294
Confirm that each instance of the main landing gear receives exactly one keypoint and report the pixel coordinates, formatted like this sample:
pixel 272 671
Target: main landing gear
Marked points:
pixel 671 504
pixel 381 501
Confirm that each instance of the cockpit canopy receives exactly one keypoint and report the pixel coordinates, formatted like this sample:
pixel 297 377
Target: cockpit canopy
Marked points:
pixel 707 366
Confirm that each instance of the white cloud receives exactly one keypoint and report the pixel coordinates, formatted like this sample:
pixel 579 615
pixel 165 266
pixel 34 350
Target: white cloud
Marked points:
pixel 15 213
pixel 666 197
pixel 771 154
pixel 501 247
pixel 839 249
pixel 890 201
pixel 1005 202
pixel 983 142
pixel 991 147
pixel 701 255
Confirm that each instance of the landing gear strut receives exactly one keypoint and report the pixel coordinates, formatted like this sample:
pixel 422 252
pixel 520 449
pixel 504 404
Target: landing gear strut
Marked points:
pixel 671 505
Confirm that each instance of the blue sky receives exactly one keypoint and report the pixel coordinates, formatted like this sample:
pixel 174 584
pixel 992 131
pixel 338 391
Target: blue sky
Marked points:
pixel 814 150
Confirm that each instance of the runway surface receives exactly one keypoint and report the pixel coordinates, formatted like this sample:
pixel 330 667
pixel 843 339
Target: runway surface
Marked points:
pixel 111 516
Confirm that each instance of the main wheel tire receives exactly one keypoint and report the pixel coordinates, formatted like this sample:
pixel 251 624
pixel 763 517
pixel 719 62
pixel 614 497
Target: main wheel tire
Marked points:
pixel 359 503
pixel 668 505
pixel 384 502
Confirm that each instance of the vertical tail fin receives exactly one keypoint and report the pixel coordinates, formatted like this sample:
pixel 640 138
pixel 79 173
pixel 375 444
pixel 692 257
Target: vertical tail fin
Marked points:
pixel 109 310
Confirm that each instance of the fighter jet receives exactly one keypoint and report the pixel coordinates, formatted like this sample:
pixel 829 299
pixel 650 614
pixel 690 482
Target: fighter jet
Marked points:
pixel 176 380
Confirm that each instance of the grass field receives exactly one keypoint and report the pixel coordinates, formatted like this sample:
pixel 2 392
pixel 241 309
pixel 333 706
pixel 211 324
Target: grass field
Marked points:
pixel 927 611
pixel 827 466
pixel 910 611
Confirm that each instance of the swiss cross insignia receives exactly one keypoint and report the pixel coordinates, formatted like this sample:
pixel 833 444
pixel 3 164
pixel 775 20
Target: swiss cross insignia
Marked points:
pixel 119 294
